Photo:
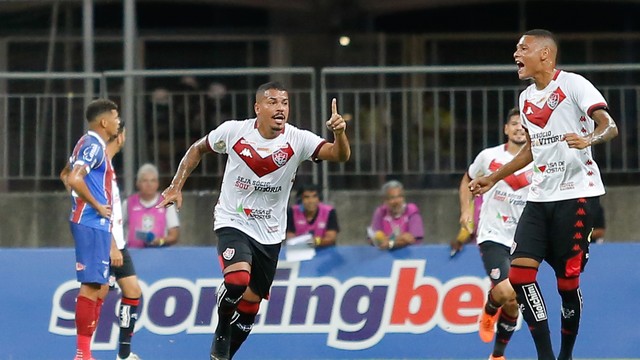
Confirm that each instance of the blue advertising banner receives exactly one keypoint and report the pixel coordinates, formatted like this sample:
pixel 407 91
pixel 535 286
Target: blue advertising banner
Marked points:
pixel 348 302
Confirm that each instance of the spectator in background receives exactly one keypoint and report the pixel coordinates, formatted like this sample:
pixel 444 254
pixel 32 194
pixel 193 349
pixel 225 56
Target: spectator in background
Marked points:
pixel 310 215
pixel 150 226
pixel 396 224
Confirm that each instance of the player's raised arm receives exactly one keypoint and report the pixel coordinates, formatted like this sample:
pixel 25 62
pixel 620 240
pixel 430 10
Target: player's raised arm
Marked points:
pixel 173 194
pixel 339 150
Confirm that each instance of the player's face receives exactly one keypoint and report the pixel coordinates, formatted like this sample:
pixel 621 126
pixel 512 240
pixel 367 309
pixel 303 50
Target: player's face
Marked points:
pixel 514 130
pixel 528 56
pixel 148 185
pixel 111 122
pixel 310 201
pixel 272 109
pixel 395 200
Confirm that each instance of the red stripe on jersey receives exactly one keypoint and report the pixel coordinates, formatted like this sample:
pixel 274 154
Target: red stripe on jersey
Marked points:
pixel 314 157
pixel 595 107
pixel 77 214
pixel 516 182
pixel 540 116
pixel 262 166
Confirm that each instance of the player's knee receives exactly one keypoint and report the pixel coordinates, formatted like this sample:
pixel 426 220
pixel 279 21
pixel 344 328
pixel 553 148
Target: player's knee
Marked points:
pixel 568 284
pixel 503 292
pixel 248 307
pixel 234 285
pixel 522 275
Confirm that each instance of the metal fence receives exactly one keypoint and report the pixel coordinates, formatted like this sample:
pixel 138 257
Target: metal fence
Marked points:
pixel 423 125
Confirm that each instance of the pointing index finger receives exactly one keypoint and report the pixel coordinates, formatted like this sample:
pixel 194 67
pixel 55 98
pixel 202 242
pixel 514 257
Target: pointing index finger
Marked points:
pixel 334 107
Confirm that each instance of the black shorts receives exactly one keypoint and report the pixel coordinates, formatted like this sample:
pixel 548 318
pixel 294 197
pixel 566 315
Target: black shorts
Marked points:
pixel 496 261
pixel 234 246
pixel 558 232
pixel 126 269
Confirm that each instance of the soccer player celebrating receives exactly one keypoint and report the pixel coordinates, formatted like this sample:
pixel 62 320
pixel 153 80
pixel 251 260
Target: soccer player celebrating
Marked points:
pixel 250 217
pixel 564 115
pixel 501 210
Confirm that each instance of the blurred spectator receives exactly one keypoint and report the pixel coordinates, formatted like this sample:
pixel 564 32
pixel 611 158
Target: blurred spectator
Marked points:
pixel 147 225
pixel 396 224
pixel 310 215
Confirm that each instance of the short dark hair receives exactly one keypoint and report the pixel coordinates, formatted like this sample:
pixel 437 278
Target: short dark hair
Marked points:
pixel 512 112
pixel 98 107
pixel 307 187
pixel 268 86
pixel 543 34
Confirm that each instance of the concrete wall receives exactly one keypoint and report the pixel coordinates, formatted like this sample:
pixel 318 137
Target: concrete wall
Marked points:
pixel 40 220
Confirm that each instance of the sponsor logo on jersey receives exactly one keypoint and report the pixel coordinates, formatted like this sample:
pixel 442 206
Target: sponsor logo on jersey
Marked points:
pixel 246 152
pixel 89 153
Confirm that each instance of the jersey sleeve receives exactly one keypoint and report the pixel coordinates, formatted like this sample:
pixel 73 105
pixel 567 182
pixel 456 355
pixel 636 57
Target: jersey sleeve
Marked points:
pixel 91 155
pixel 172 217
pixel 585 95
pixel 218 139
pixel 478 166
pixel 308 143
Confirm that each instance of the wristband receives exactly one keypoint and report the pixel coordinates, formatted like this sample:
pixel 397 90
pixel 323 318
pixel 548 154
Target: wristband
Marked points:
pixel 317 240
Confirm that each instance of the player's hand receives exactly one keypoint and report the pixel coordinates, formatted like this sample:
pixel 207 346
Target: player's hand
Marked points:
pixel 171 196
pixel 466 220
pixel 480 185
pixel 576 141
pixel 116 257
pixel 336 123
pixel 104 211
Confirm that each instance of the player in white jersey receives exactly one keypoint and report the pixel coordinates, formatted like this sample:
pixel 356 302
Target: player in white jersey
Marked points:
pixel 250 217
pixel 558 111
pixel 121 263
pixel 501 210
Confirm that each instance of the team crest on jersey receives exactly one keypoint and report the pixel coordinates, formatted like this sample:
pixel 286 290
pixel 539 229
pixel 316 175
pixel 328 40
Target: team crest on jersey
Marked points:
pixel 228 254
pixel 280 157
pixel 553 101
pixel 79 266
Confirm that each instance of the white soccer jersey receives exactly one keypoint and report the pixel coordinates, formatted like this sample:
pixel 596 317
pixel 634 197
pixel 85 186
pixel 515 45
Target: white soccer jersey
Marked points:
pixel 503 204
pixel 117 229
pixel 258 176
pixel 564 106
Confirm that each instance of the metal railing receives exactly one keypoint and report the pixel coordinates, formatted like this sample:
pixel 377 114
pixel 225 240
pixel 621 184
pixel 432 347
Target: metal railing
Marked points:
pixel 423 125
